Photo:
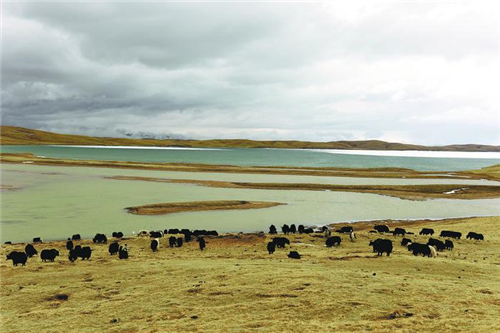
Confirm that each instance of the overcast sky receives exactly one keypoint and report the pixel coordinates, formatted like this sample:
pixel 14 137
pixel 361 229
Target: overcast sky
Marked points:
pixel 425 73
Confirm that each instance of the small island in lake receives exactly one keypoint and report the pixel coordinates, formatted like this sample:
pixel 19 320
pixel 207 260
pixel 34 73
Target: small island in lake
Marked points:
pixel 179 207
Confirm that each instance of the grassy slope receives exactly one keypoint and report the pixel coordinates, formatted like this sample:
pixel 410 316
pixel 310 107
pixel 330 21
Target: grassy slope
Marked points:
pixel 235 285
pixel 11 135
pixel 491 172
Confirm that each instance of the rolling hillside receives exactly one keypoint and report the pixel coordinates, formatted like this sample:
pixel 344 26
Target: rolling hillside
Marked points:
pixel 11 135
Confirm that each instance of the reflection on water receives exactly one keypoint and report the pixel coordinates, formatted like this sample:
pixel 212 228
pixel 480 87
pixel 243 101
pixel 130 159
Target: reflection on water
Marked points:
pixel 79 200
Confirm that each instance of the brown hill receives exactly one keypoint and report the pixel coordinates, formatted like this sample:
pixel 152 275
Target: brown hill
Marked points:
pixel 11 135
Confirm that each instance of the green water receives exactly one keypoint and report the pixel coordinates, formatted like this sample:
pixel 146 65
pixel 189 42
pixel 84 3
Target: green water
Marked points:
pixel 262 157
pixel 56 202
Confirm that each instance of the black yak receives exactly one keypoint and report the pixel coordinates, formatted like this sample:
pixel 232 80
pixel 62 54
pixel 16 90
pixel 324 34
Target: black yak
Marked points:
pixel 331 241
pixel 281 242
pixel 155 243
pixel 18 258
pixel 437 243
pixel 451 234
pixel 156 234
pixel 381 228
pixel 476 236
pixel 85 252
pixel 405 241
pixel 382 245
pixel 346 230
pixel 201 243
pixel 294 255
pixel 80 252
pixel 30 250
pixel 114 248
pixel 187 235
pixel 73 255
pixel 418 248
pixel 117 234
pixel 426 231
pixel 271 246
pixel 100 238
pixel 49 255
pixel 123 252
pixel 399 231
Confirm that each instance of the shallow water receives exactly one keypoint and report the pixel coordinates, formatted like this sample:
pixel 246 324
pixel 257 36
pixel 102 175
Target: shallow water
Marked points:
pixel 231 177
pixel 56 202
pixel 261 157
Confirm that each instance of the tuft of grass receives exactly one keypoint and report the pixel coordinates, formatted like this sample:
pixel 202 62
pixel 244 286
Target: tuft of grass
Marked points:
pixel 235 285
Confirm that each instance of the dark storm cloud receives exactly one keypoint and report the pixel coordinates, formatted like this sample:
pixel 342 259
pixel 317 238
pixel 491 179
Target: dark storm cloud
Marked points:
pixel 310 71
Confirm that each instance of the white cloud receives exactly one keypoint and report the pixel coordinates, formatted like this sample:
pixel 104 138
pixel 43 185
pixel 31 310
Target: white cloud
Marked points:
pixel 413 72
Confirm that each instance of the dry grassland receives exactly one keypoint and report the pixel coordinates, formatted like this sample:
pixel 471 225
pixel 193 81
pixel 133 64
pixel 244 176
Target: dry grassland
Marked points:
pixel 234 285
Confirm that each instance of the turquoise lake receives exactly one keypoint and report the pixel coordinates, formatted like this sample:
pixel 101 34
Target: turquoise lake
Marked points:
pixel 258 157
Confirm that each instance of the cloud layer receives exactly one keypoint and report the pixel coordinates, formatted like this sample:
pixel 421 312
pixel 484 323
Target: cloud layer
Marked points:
pixel 412 72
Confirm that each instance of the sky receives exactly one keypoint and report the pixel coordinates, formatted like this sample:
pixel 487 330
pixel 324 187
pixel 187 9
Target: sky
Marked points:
pixel 414 72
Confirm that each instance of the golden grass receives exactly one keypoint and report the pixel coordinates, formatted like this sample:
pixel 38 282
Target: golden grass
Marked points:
pixel 11 135
pixel 30 159
pixel 195 206
pixel 491 172
pixel 234 285
pixel 8 188
pixel 410 192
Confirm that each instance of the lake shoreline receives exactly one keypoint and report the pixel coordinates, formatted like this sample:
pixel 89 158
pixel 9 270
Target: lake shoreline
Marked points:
pixel 372 152
pixel 408 192
pixel 489 173
pixel 359 225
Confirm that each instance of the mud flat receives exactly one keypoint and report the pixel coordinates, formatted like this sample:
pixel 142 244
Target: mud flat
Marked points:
pixel 196 206
pixel 410 192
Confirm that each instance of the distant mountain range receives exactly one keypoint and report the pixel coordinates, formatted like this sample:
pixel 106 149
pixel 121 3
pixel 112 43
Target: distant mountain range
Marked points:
pixel 11 135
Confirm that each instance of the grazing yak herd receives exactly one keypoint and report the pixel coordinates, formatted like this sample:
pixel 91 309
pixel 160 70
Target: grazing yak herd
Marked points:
pixel 379 245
